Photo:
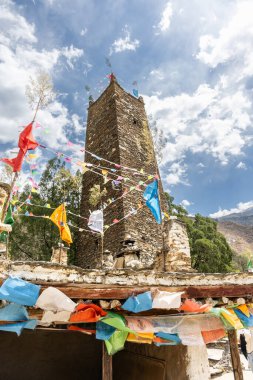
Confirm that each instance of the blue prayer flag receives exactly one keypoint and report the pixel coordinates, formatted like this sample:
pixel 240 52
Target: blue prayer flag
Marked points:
pixel 135 92
pixel 104 331
pixel 174 338
pixel 13 312
pixel 152 200
pixel 19 326
pixel 139 303
pixel 246 321
pixel 16 290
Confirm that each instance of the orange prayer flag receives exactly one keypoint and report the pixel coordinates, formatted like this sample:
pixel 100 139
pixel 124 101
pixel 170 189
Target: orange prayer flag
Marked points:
pixel 213 335
pixel 244 309
pixel 194 307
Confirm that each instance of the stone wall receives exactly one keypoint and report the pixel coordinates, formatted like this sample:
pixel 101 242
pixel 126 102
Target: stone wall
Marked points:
pixel 48 272
pixel 117 130
pixel 178 258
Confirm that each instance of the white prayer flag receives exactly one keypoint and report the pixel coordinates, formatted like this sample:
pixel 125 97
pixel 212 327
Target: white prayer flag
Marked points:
pixel 54 300
pixel 96 221
pixel 167 300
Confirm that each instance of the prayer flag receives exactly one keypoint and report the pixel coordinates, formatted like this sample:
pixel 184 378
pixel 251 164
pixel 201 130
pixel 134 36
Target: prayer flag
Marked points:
pixel 152 200
pixel 33 156
pixel 96 221
pixel 26 140
pixel 250 265
pixel 104 331
pixel 16 290
pixel 139 303
pixel 167 300
pixel 87 312
pixel 16 162
pixel 8 220
pixel 53 299
pixel 116 342
pixel 59 217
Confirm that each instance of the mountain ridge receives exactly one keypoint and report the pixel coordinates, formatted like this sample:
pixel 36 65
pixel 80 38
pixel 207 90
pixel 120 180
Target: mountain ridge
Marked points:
pixel 244 217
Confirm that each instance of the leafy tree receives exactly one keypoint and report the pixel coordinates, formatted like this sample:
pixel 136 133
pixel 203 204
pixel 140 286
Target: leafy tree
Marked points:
pixel 34 238
pixel 210 251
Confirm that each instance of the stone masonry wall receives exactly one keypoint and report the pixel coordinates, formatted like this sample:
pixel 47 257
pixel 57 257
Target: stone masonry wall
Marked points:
pixel 102 140
pixel 178 258
pixel 117 129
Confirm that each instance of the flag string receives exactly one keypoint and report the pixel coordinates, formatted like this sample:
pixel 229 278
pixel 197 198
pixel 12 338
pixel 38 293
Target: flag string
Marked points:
pixel 87 167
pixel 118 166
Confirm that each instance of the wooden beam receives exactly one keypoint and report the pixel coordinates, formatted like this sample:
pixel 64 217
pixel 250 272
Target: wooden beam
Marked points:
pixel 106 364
pixel 235 356
pixel 95 291
pixel 83 291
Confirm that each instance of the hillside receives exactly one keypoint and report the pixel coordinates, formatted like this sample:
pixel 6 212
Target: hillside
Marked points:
pixel 239 236
pixel 244 217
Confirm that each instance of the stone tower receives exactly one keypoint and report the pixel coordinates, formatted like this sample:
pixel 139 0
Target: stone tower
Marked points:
pixel 118 131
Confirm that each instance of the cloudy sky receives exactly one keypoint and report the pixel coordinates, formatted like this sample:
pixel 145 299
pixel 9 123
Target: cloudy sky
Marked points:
pixel 193 61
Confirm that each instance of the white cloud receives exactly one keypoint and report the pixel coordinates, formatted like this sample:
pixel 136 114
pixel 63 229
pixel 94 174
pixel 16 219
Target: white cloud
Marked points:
pixel 233 43
pixel 165 21
pixel 212 120
pixel 241 165
pixel 177 174
pixel 83 32
pixel 124 43
pixel 72 54
pixel 240 207
pixel 186 203
pixel 14 27
pixel 157 74
pixel 77 124
pixel 20 59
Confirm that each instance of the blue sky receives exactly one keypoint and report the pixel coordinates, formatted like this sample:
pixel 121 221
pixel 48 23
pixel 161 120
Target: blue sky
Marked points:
pixel 192 60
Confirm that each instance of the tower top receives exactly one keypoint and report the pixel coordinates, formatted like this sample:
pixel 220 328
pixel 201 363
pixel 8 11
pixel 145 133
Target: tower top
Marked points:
pixel 112 77
pixel 115 88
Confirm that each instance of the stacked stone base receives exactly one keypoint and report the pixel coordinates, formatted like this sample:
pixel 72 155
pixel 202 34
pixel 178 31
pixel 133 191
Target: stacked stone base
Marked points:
pixel 178 262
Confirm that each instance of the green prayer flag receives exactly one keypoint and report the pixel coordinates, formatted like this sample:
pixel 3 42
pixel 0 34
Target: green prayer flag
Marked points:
pixel 116 342
pixel 249 265
pixel 117 321
pixel 8 220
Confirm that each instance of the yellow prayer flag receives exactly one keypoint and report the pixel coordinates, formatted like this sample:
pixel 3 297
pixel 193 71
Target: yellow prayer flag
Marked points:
pixel 59 218
pixel 84 168
pixel 166 215
pixel 34 190
pixel 141 337
pixel 104 171
pixel 232 318
pixel 32 155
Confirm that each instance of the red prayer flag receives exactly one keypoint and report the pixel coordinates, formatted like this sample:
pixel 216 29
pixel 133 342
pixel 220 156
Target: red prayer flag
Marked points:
pixel 15 163
pixel 26 140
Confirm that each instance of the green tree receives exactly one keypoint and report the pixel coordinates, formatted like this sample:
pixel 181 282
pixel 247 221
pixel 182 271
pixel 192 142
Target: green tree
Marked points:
pixel 33 238
pixel 210 251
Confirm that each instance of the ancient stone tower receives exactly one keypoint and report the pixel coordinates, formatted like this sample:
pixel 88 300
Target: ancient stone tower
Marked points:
pixel 118 131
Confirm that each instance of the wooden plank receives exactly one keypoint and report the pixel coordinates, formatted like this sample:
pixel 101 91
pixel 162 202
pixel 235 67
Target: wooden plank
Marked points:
pixel 83 292
pixel 235 357
pixel 95 291
pixel 106 364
